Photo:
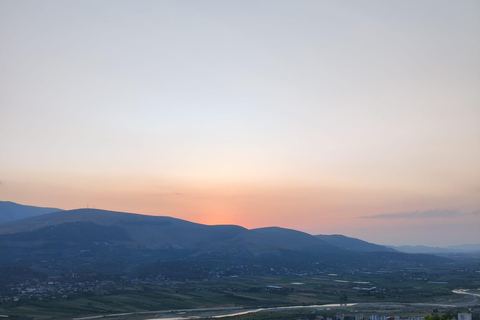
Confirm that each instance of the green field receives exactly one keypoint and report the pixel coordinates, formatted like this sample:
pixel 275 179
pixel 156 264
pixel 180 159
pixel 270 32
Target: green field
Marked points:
pixel 252 291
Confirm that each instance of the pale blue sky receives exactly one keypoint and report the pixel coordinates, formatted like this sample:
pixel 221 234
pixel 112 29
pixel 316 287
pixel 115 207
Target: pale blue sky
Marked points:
pixel 326 111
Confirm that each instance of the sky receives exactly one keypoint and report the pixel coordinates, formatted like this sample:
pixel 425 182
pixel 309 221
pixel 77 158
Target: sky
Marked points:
pixel 353 117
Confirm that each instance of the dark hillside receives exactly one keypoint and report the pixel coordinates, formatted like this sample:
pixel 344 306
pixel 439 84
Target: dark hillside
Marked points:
pixel 293 239
pixel 11 211
pixel 353 244
pixel 93 240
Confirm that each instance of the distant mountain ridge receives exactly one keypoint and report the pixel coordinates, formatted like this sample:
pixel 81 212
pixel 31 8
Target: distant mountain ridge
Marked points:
pixel 144 229
pixel 11 211
pixel 466 248
pixel 353 243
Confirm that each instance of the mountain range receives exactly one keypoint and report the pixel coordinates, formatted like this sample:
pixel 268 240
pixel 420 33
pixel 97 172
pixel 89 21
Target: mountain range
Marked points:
pixel 119 242
pixel 465 248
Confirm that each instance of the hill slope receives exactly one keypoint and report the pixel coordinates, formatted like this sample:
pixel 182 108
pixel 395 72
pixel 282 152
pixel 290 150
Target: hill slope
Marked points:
pixel 143 230
pixel 353 243
pixel 11 211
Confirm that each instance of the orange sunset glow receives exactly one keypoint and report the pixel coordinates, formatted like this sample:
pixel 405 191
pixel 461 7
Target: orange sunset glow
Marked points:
pixel 310 117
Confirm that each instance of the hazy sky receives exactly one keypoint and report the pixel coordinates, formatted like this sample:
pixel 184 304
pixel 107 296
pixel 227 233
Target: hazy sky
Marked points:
pixel 352 117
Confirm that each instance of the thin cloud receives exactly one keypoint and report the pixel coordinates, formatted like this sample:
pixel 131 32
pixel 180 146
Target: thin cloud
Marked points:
pixel 435 213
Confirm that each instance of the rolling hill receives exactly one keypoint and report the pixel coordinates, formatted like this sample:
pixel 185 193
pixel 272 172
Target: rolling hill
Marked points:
pixel 117 242
pixel 157 232
pixel 11 211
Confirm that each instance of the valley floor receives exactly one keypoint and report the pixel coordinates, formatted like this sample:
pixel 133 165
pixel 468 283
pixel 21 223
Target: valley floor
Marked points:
pixel 223 296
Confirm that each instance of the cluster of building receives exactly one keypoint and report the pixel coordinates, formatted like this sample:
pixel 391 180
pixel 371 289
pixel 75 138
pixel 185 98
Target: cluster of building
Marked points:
pixel 357 316
pixel 52 290
pixel 361 317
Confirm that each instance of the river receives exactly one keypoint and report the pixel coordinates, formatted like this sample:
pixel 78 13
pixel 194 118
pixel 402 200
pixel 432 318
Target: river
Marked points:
pixel 187 314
